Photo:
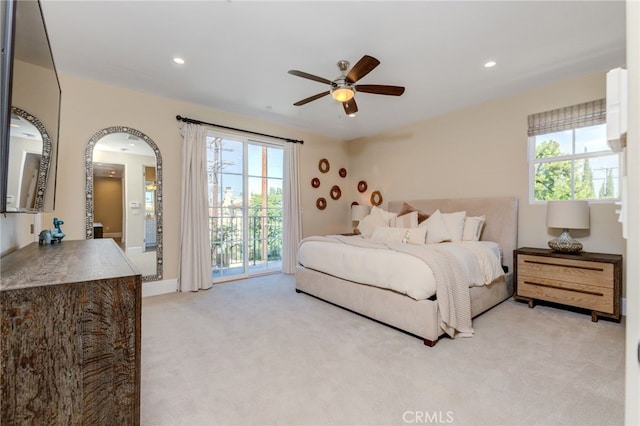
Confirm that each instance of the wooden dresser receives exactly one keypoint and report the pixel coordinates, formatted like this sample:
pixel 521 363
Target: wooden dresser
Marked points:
pixel 591 281
pixel 70 335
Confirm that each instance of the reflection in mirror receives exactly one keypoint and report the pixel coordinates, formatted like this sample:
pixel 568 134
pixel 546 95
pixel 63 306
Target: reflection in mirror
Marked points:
pixel 30 83
pixel 124 195
pixel 29 159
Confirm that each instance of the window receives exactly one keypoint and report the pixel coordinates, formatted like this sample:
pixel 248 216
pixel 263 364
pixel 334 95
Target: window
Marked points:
pixel 569 158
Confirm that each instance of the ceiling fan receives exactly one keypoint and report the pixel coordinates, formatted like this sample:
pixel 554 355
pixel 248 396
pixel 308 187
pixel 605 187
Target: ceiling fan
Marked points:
pixel 344 88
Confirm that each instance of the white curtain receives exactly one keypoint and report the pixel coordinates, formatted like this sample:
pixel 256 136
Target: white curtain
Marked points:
pixel 291 222
pixel 195 243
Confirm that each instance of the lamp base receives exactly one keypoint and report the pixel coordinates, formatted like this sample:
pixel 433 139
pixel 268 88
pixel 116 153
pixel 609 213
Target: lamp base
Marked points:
pixel 565 244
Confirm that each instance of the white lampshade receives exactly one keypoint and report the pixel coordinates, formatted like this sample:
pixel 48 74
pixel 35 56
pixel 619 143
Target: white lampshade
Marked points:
pixel 359 212
pixel 568 214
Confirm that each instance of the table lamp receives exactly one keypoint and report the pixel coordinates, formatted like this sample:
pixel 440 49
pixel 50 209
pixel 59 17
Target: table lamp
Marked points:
pixel 567 214
pixel 358 212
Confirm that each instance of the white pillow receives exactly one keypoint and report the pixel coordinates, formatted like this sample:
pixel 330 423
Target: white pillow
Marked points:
pixel 437 231
pixel 455 224
pixel 473 228
pixel 417 236
pixel 377 218
pixel 409 220
pixel 388 216
pixel 370 223
pixel 400 235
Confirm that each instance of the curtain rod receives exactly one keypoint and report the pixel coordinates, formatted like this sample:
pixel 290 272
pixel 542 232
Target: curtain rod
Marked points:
pixel 191 120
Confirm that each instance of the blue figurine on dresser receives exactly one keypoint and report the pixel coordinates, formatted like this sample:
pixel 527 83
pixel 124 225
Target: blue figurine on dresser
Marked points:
pixel 52 236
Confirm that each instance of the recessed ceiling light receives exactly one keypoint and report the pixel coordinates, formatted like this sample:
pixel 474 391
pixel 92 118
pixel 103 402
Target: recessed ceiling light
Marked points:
pixel 490 64
pixel 352 115
pixel 178 61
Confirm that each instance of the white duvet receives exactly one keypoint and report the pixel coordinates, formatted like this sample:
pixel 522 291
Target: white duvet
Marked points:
pixel 395 266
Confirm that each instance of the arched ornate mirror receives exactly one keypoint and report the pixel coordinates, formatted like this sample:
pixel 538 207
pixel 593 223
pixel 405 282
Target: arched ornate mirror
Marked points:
pixel 124 195
pixel 29 159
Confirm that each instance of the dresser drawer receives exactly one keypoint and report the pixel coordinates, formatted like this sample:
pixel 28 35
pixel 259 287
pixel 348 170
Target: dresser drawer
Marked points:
pixel 597 298
pixel 568 270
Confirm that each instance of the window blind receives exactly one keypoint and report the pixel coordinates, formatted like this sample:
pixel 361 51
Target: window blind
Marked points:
pixel 571 117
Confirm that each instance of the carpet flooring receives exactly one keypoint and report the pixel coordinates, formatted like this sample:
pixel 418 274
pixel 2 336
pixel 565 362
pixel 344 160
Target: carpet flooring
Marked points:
pixel 254 352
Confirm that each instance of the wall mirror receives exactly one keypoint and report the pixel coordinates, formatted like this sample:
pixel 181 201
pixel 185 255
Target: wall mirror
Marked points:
pixel 124 195
pixel 30 88
pixel 29 160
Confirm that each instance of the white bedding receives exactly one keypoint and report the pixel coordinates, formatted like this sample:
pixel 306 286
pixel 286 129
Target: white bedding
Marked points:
pixel 389 266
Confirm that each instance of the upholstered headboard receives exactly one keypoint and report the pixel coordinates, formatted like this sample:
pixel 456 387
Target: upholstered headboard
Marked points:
pixel 501 224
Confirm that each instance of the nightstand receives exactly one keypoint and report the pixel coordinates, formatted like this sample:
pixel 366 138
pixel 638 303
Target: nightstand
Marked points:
pixel 591 281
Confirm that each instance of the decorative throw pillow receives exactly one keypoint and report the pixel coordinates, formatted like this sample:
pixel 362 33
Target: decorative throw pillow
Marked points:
pixel 400 235
pixel 455 224
pixel 395 235
pixel 409 220
pixel 437 231
pixel 473 228
pixel 408 208
pixel 417 236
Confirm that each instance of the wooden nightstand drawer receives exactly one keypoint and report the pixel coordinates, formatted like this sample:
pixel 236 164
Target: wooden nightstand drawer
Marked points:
pixel 584 280
pixel 568 293
pixel 578 271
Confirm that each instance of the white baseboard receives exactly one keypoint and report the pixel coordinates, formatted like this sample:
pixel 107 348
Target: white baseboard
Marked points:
pixel 155 288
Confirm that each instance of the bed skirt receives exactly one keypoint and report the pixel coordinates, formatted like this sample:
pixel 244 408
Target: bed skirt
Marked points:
pixel 417 317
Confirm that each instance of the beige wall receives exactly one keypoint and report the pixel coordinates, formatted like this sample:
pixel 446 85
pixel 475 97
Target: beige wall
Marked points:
pixel 88 107
pixel 481 151
pixel 477 151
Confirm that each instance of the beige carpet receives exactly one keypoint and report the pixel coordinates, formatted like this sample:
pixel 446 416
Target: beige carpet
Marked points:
pixel 254 352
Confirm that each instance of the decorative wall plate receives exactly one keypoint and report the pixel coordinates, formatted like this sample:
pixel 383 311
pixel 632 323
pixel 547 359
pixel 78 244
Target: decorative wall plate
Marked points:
pixel 315 182
pixel 362 186
pixel 335 192
pixel 376 198
pixel 321 203
pixel 342 172
pixel 323 165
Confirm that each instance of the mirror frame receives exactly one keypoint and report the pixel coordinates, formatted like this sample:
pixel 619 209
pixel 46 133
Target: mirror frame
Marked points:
pixel 45 160
pixel 89 189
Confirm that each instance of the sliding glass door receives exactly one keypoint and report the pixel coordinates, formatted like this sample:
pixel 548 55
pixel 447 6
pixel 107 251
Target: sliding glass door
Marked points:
pixel 245 206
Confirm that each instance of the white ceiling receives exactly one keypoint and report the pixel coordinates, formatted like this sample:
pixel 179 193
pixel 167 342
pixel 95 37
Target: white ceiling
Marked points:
pixel 238 53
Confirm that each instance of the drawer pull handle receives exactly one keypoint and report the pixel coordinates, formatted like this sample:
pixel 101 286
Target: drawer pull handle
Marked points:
pixel 590 268
pixel 593 293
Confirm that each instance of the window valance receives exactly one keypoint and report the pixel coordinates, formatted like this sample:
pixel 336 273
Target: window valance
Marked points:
pixel 571 117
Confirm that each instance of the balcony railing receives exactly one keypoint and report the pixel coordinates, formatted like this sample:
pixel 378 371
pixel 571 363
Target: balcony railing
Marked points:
pixel 263 236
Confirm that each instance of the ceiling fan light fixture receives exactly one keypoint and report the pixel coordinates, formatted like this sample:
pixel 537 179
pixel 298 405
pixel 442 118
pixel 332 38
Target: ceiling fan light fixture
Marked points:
pixel 343 94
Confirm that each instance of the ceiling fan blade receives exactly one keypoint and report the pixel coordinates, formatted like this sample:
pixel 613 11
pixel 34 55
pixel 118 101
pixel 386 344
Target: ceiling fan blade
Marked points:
pixel 312 98
pixel 380 89
pixel 309 76
pixel 363 67
pixel 350 106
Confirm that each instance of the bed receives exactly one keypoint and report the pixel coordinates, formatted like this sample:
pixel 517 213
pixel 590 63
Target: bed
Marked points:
pixel 421 316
